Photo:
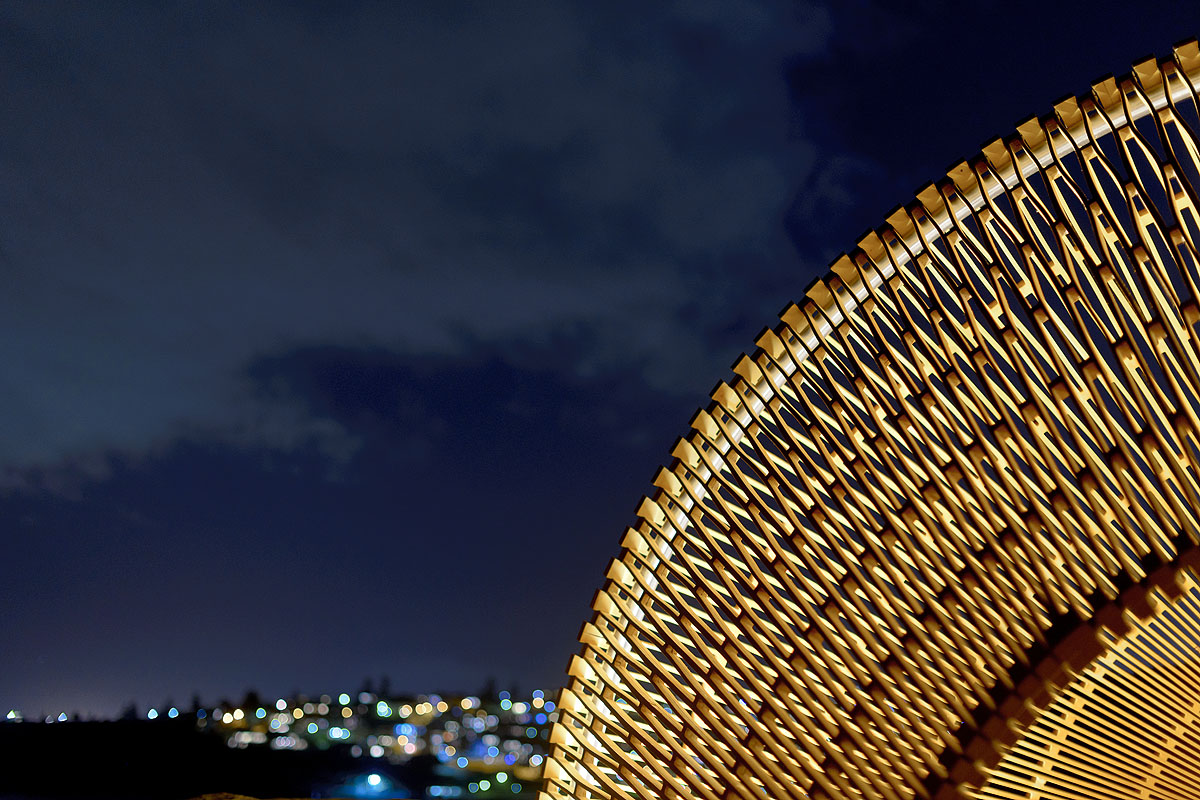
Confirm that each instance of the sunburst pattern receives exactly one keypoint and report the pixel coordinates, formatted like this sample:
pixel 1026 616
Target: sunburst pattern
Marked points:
pixel 1127 728
pixel 934 493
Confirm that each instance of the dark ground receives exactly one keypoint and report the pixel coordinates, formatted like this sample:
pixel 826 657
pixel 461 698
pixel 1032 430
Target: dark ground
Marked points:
pixel 171 760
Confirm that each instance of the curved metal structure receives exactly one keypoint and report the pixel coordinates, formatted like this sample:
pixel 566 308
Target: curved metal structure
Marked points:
pixel 937 537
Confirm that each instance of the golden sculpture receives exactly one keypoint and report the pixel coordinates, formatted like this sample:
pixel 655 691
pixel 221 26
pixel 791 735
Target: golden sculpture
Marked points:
pixel 938 538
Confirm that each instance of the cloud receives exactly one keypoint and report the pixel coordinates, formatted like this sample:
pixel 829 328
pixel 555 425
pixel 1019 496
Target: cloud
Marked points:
pixel 188 189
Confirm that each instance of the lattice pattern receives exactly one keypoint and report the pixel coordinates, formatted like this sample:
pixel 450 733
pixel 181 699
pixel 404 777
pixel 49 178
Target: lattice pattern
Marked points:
pixel 871 561
pixel 1127 729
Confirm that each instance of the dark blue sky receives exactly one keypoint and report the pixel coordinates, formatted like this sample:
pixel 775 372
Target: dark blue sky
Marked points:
pixel 342 343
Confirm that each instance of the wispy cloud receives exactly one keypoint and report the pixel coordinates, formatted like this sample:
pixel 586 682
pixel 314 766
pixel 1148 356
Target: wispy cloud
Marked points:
pixel 188 189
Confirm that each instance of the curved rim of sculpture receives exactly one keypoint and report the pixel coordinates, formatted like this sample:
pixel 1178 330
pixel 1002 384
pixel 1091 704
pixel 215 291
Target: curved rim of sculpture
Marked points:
pixel 959 481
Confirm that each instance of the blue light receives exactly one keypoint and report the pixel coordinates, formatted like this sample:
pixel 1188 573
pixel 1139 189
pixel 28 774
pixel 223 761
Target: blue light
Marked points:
pixel 152 714
pixel 201 714
pixel 374 779
pixel 540 719
pixel 173 713
pixel 506 704
pixel 312 727
pixel 262 712
pixel 493 751
pixel 462 762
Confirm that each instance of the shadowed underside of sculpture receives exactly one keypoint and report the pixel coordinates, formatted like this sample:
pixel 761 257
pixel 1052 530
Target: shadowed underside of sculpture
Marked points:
pixel 936 536
pixel 1127 727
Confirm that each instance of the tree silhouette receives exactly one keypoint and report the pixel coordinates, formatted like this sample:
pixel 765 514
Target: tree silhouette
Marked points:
pixel 251 700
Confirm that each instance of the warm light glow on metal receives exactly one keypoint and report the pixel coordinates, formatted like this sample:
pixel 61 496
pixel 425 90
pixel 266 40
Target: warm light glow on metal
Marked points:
pixel 922 545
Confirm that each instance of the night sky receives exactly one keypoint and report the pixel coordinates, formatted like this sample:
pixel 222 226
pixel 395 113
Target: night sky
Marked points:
pixel 341 340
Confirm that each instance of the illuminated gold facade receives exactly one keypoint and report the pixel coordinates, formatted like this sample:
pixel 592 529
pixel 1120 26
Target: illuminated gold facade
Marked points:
pixel 938 537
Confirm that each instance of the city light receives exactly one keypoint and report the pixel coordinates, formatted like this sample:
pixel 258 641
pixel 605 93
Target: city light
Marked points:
pixel 469 734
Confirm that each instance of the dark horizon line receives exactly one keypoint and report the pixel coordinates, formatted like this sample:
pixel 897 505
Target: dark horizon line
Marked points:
pixel 134 709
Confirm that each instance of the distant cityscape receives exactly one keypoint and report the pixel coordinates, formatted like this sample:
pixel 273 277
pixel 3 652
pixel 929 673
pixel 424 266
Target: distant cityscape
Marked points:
pixel 486 746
